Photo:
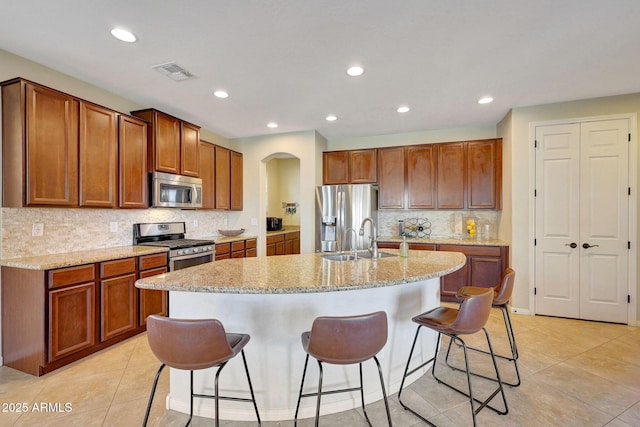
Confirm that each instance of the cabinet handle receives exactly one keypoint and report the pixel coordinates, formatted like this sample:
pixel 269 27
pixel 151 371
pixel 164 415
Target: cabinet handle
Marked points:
pixel 587 246
pixel 573 245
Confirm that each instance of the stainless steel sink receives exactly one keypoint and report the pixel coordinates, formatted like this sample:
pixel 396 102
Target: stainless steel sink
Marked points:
pixel 339 257
pixel 367 255
pixel 350 257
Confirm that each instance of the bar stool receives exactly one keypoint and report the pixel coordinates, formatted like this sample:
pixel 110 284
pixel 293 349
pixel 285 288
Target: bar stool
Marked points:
pixel 469 318
pixel 501 297
pixel 193 345
pixel 344 341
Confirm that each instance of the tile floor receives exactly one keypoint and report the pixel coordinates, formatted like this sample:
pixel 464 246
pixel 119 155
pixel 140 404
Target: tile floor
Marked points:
pixel 574 373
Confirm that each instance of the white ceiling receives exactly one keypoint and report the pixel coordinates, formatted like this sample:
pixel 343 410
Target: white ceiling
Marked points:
pixel 285 60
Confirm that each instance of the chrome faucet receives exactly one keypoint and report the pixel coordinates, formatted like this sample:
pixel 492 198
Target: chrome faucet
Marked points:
pixel 373 240
pixel 354 243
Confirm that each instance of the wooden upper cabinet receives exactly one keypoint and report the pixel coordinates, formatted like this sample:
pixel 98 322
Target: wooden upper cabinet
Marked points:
pixel 166 153
pixel 132 153
pixel 223 178
pixel 173 143
pixel 236 189
pixel 362 166
pixel 391 177
pixel 98 156
pixel 335 167
pixel 207 174
pixel 189 154
pixel 421 176
pixel 50 151
pixel 451 175
pixel 484 174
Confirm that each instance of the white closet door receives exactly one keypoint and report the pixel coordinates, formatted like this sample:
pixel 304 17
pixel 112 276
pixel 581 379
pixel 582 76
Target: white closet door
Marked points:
pixel 582 220
pixel 604 220
pixel 557 271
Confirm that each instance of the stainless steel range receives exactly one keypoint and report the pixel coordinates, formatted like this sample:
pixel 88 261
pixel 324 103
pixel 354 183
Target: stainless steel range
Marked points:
pixel 183 252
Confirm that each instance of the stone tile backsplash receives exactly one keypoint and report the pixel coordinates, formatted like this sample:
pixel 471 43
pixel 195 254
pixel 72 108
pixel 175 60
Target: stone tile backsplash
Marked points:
pixel 442 222
pixel 68 230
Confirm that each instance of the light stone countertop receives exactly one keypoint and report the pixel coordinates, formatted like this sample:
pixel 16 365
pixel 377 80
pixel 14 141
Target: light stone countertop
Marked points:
pixel 68 259
pixel 305 273
pixel 445 241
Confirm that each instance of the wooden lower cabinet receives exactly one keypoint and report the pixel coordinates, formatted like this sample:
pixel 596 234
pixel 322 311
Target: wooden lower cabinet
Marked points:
pixel 238 249
pixel 292 243
pixel 71 320
pixel 251 248
pixel 275 245
pixel 484 268
pixel 223 251
pixel 51 318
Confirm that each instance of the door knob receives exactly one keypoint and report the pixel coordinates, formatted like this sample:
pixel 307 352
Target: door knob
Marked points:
pixel 573 244
pixel 587 246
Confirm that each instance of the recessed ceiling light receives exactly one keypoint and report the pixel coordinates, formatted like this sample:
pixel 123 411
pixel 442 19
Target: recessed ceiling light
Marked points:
pixel 331 118
pixel 403 109
pixel 355 71
pixel 485 100
pixel 221 94
pixel 123 35
pixel 272 125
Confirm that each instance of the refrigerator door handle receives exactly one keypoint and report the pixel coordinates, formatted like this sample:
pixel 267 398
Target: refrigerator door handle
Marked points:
pixel 341 224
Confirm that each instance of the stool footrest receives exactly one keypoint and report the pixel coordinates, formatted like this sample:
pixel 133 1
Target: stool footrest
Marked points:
pixel 344 390
pixel 211 396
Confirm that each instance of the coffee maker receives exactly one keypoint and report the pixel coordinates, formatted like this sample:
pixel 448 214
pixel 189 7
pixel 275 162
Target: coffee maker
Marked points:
pixel 274 224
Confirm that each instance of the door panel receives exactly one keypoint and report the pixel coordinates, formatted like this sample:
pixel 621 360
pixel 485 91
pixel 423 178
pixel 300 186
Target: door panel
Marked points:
pixel 557 225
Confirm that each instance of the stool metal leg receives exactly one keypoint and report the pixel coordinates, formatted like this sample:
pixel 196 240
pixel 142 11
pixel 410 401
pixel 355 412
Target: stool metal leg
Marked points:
pixel 384 392
pixel 153 392
pixel 319 393
pixel 253 397
pixel 304 372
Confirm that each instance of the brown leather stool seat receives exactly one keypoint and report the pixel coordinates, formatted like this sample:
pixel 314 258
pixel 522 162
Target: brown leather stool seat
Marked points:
pixel 344 341
pixel 469 318
pixel 194 344
pixel 501 297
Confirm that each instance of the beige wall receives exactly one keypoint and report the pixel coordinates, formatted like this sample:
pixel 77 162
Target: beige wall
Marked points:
pixel 257 151
pixel 283 185
pixel 518 164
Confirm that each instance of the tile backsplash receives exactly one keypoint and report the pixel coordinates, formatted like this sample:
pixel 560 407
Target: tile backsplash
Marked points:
pixel 68 230
pixel 442 222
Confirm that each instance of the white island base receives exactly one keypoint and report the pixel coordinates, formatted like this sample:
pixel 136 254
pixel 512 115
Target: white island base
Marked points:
pixel 275 355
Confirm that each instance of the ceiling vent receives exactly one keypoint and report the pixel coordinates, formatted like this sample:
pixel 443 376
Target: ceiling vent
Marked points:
pixel 173 71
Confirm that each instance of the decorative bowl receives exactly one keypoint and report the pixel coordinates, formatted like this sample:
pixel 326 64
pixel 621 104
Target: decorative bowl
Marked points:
pixel 231 233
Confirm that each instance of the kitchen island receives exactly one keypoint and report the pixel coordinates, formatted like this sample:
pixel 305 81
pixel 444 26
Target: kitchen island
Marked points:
pixel 275 299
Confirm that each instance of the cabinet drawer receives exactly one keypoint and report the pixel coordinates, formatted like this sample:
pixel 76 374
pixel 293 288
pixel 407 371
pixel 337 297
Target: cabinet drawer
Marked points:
pixel 473 250
pixel 146 262
pixel 422 246
pixel 223 248
pixel 237 246
pixel 292 236
pixel 388 245
pixel 154 272
pixel 274 239
pixel 117 267
pixel 72 275
pixel 251 243
pixel 238 254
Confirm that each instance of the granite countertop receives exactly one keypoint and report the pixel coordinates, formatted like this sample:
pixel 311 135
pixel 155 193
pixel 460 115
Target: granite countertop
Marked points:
pixel 68 259
pixel 224 239
pixel 305 273
pixel 445 241
pixel 285 229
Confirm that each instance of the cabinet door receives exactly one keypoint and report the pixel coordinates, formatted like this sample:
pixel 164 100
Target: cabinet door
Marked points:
pixel 52 148
pixel 421 177
pixel 132 153
pixel 207 174
pixel 71 320
pixel 118 306
pixel 451 175
pixel 362 166
pixel 223 178
pixel 484 174
pixel 98 156
pixel 189 152
pixel 335 167
pixel 391 178
pixel 486 272
pixel 152 301
pixel 166 143
pixel 236 189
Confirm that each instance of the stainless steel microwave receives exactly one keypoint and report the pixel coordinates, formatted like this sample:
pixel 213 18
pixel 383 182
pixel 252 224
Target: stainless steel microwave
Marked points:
pixel 175 191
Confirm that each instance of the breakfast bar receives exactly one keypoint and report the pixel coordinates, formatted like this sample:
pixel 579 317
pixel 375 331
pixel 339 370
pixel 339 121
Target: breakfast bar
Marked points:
pixel 275 299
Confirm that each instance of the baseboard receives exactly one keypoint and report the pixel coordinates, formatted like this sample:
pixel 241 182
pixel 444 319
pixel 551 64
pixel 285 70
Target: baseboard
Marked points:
pixel 517 310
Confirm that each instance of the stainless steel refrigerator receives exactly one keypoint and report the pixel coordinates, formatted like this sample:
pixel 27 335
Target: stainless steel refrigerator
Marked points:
pixel 340 208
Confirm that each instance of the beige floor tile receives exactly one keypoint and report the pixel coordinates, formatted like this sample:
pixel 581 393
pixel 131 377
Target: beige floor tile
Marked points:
pixel 610 368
